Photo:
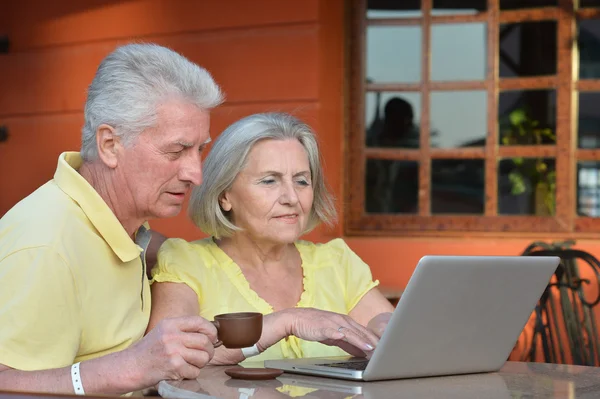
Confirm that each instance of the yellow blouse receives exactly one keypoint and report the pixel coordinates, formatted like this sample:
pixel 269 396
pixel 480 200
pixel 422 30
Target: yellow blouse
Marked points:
pixel 335 279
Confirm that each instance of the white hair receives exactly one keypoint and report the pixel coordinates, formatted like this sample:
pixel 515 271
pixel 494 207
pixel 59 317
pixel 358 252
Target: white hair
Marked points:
pixel 228 157
pixel 129 85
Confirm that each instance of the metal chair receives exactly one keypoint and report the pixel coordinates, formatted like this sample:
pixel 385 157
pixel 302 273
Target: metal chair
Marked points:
pixel 565 324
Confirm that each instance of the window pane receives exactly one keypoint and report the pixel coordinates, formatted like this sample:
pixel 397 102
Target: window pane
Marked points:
pixel 391 186
pixel 446 7
pixel 588 41
pixel 589 120
pixel 468 40
pixel 527 117
pixel 514 4
pixel 588 188
pixel 458 119
pixel 392 119
pixel 527 186
pixel 457 186
pixel 393 54
pixel 528 49
pixel 589 3
pixel 393 9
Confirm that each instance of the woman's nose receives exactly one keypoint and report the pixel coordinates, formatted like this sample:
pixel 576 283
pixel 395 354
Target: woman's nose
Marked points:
pixel 289 195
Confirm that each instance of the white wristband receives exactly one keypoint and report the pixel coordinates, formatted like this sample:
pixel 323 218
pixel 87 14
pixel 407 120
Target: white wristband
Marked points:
pixel 252 351
pixel 76 377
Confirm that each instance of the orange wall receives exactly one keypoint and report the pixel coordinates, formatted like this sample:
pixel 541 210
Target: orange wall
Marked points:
pixel 266 54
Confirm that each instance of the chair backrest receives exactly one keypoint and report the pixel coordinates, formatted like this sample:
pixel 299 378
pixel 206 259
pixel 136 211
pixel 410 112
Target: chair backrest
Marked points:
pixel 565 319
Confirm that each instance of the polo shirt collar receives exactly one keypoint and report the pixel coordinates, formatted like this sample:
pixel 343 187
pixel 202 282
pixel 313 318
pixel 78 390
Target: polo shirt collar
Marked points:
pixel 95 208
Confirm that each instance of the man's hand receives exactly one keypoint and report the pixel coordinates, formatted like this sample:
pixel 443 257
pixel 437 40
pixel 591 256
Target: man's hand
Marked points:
pixel 175 349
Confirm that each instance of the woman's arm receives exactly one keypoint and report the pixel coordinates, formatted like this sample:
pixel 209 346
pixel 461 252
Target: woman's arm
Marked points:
pixel 176 299
pixel 172 300
pixel 373 311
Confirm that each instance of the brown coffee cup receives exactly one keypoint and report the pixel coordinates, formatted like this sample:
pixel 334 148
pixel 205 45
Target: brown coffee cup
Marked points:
pixel 238 330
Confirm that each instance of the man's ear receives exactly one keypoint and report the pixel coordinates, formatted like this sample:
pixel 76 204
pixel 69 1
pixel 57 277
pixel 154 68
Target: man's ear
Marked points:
pixel 224 202
pixel 108 145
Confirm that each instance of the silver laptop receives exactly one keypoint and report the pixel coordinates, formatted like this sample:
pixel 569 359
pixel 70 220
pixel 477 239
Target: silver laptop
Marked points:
pixel 474 386
pixel 458 315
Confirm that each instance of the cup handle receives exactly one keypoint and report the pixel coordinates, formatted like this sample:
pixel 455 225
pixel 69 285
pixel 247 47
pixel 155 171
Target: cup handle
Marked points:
pixel 219 342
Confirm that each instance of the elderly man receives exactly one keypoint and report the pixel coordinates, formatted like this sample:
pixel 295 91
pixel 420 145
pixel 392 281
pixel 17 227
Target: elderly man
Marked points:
pixel 74 293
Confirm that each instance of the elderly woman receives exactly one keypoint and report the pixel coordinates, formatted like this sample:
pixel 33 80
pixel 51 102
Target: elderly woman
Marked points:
pixel 263 188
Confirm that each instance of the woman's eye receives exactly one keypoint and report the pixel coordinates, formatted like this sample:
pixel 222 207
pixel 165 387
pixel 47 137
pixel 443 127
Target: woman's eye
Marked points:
pixel 268 181
pixel 303 181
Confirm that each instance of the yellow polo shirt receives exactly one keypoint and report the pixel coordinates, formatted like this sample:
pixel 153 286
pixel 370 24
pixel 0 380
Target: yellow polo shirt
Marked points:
pixel 72 282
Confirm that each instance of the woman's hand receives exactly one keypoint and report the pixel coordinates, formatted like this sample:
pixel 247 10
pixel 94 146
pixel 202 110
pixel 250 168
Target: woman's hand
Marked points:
pixel 378 323
pixel 322 326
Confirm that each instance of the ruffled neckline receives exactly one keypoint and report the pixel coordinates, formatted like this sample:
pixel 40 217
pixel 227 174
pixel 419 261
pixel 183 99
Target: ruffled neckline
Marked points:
pixel 237 278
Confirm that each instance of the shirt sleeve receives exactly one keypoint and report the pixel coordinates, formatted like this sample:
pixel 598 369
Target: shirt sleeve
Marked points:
pixel 177 263
pixel 39 311
pixel 358 277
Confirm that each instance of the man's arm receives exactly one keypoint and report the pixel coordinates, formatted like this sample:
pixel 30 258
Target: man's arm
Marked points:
pixel 98 376
pixel 40 318
pixel 175 349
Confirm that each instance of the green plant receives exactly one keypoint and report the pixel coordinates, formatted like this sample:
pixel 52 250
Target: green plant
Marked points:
pixel 524 130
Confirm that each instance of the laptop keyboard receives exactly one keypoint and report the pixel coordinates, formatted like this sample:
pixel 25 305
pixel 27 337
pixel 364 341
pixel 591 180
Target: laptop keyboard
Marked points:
pixel 360 365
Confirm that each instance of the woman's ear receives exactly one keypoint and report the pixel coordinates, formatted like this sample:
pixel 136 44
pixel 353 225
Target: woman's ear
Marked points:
pixel 224 202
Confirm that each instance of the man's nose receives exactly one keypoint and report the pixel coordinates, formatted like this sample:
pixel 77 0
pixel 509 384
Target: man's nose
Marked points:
pixel 192 171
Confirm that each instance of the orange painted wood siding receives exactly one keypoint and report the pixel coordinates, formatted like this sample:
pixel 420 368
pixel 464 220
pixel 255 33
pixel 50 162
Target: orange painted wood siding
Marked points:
pixel 263 53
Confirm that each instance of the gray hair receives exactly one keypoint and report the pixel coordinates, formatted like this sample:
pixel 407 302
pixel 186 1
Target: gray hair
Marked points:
pixel 228 157
pixel 131 82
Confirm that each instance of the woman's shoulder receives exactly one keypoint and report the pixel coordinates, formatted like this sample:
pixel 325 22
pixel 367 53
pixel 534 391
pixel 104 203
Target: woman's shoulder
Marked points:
pixel 181 249
pixel 179 244
pixel 318 253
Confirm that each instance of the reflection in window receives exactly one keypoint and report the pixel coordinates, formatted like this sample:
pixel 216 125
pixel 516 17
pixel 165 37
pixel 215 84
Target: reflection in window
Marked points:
pixel 393 9
pixel 453 7
pixel 588 130
pixel 528 49
pixel 527 117
pixel 457 186
pixel 392 119
pixel 588 189
pixel 391 186
pixel 588 40
pixel 589 3
pixel 393 54
pixel 514 4
pixel 527 186
pixel 458 119
pixel 468 40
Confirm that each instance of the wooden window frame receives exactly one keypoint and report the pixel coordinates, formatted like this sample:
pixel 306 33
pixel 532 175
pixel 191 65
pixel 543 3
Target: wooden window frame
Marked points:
pixel 565 223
